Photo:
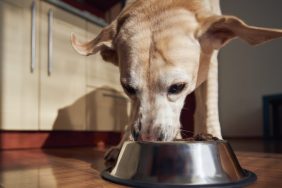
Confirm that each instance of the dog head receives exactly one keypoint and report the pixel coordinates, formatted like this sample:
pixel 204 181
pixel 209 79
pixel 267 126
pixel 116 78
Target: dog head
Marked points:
pixel 163 50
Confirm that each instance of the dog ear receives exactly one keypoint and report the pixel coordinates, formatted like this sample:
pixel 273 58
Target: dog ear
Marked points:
pixel 102 43
pixel 216 31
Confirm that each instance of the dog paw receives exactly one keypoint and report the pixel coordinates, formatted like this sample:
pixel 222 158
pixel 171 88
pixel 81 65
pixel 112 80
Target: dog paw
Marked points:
pixel 111 157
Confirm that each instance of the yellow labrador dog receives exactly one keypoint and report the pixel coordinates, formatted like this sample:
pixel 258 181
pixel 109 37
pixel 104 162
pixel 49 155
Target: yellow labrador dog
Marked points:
pixel 166 49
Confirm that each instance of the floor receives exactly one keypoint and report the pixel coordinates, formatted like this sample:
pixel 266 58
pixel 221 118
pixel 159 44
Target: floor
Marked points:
pixel 80 167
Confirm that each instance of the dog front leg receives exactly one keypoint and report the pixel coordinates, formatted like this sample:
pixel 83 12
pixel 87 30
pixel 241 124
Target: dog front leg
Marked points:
pixel 206 117
pixel 112 153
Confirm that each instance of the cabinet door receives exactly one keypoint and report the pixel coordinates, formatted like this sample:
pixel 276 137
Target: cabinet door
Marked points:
pixel 18 83
pixel 62 79
pixel 107 110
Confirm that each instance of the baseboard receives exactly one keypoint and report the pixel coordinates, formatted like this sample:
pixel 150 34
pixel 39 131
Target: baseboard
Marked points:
pixel 53 139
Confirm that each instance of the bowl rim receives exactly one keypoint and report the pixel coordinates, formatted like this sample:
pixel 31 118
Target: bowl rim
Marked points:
pixel 179 142
pixel 249 178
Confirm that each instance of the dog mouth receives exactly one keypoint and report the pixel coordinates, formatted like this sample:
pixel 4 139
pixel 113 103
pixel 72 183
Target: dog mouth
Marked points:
pixel 151 136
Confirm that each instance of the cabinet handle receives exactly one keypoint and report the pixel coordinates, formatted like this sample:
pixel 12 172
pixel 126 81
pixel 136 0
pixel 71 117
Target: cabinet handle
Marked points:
pixel 33 36
pixel 50 41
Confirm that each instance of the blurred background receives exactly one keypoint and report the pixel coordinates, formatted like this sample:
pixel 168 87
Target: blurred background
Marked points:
pixel 50 95
pixel 250 78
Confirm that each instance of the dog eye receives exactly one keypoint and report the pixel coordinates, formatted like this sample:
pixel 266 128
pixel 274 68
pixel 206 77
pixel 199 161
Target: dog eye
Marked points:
pixel 176 88
pixel 129 89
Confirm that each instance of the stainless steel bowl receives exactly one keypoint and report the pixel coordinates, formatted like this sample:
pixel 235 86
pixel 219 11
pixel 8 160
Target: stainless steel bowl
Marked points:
pixel 178 164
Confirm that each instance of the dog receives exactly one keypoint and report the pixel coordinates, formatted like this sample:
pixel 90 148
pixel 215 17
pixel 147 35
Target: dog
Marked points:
pixel 165 50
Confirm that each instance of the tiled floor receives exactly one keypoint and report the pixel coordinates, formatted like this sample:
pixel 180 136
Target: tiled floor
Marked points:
pixel 72 167
pixel 80 167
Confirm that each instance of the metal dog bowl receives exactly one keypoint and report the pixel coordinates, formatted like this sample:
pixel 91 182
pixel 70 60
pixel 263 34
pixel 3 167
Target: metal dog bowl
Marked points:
pixel 178 164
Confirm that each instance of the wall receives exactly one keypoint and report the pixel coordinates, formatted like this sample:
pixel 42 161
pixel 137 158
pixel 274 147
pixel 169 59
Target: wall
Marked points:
pixel 247 73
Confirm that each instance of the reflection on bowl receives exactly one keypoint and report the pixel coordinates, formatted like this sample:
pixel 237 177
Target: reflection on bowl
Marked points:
pixel 178 164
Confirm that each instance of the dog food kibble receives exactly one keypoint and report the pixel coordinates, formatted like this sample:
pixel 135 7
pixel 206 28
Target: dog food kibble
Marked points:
pixel 200 137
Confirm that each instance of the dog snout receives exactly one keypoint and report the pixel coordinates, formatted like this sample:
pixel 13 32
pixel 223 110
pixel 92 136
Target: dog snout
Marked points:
pixel 148 135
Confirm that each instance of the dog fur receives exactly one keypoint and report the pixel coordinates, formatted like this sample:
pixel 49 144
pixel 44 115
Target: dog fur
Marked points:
pixel 158 45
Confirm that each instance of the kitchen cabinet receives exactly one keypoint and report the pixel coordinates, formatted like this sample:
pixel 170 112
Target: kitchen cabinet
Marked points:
pixel 45 84
pixel 62 72
pixel 107 110
pixel 40 81
pixel 106 104
pixel 19 83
